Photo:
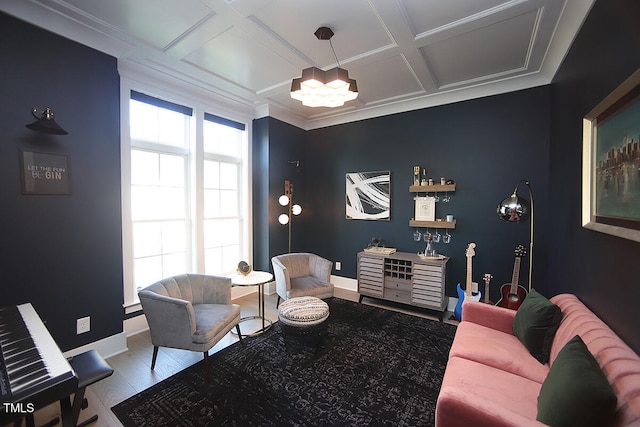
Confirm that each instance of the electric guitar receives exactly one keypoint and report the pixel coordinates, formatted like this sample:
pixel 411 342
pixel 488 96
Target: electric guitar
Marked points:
pixel 467 294
pixel 487 279
pixel 512 294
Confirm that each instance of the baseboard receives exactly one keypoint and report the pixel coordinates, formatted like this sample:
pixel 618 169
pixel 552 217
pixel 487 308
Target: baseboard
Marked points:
pixel 453 301
pixel 106 347
pixel 116 344
pixel 135 325
pixel 240 291
pixel 345 283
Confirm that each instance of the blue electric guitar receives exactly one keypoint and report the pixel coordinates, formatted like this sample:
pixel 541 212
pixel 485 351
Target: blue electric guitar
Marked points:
pixel 467 294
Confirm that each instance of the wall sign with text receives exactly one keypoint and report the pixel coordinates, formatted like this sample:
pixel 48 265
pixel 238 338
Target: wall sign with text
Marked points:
pixel 44 173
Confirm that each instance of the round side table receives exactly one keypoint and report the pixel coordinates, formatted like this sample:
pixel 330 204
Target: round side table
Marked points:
pixel 255 278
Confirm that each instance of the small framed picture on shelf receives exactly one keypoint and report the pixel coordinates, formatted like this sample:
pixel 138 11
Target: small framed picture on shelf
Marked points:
pixel 425 208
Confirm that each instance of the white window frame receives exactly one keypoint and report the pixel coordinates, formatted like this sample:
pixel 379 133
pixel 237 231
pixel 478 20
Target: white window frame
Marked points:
pixel 192 98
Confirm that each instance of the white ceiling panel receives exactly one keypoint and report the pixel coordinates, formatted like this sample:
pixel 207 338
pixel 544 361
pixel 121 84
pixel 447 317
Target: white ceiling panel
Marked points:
pixel 482 53
pixel 257 68
pixel 357 28
pixel 400 80
pixel 155 22
pixel 404 54
pixel 428 15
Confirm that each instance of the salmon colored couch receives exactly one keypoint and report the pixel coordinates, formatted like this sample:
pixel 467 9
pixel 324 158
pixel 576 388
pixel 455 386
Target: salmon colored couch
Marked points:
pixel 491 379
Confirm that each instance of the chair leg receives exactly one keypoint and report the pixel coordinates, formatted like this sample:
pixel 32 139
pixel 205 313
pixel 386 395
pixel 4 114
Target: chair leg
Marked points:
pixel 206 364
pixel 278 302
pixel 238 331
pixel 155 355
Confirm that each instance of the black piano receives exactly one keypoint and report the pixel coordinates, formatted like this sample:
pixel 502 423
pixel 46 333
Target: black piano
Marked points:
pixel 33 371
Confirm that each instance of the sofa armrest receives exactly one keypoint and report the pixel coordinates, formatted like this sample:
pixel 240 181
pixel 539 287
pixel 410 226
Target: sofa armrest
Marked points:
pixel 458 408
pixel 491 316
pixel 172 321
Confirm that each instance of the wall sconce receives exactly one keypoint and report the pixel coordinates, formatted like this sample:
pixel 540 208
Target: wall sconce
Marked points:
pixel 45 122
pixel 518 209
pixel 287 200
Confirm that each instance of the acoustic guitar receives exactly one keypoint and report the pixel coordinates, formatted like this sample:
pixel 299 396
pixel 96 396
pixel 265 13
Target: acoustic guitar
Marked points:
pixel 467 294
pixel 513 294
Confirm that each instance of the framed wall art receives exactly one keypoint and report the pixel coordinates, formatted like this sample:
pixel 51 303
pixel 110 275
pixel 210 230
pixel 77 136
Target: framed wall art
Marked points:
pixel 611 163
pixel 44 173
pixel 368 195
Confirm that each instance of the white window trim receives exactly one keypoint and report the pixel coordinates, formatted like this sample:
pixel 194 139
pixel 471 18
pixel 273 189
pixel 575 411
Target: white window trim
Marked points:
pixel 192 97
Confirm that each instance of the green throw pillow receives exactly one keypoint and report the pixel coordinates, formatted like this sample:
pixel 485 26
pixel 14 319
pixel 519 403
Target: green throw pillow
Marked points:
pixel 576 392
pixel 536 323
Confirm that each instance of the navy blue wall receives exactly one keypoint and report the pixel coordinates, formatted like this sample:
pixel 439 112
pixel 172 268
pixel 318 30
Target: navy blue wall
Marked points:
pixel 61 253
pixel 602 270
pixel 277 144
pixel 485 146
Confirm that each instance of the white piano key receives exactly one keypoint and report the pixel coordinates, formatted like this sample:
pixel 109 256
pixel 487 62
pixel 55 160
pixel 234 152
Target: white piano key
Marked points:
pixel 49 351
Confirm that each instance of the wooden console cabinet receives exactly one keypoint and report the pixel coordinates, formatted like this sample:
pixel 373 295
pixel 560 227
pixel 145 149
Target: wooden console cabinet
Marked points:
pixel 405 278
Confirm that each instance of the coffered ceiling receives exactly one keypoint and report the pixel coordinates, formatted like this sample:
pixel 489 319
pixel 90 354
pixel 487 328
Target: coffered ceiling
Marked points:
pixel 404 54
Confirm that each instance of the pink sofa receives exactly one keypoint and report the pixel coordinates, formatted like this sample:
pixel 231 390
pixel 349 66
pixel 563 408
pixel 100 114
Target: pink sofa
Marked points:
pixel 492 380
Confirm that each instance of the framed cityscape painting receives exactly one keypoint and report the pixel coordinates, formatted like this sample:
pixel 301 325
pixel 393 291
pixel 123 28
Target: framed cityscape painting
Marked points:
pixel 611 163
pixel 368 195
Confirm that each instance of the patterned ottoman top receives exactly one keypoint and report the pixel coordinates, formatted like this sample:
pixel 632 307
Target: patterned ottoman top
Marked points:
pixel 303 310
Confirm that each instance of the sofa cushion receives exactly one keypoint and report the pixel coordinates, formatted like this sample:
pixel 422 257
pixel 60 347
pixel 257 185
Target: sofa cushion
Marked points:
pixel 473 394
pixel 310 286
pixel 213 320
pixel 498 349
pixel 536 323
pixel 576 391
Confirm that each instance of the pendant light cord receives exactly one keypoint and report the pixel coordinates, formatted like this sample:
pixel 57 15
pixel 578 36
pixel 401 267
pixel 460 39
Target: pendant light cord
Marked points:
pixel 334 53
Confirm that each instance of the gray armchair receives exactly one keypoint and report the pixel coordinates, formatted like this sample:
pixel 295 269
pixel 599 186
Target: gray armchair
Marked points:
pixel 189 312
pixel 302 274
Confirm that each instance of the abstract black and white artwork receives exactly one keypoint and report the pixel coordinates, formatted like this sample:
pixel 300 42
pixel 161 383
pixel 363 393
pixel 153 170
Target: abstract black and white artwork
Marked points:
pixel 369 195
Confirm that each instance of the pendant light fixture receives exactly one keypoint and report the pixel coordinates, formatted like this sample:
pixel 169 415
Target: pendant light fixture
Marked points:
pixel 318 88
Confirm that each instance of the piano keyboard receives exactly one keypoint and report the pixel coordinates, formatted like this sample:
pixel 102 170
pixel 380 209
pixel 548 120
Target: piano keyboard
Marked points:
pixel 31 361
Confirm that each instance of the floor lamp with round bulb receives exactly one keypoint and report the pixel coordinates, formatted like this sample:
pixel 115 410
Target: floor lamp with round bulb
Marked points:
pixel 287 200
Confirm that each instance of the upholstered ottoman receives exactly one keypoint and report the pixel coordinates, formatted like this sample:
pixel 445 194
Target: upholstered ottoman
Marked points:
pixel 303 316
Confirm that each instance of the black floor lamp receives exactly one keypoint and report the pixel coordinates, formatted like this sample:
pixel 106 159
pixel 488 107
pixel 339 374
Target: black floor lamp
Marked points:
pixel 518 209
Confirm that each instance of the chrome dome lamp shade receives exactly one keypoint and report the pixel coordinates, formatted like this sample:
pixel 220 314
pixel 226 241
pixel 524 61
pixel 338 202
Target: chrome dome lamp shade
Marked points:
pixel 518 209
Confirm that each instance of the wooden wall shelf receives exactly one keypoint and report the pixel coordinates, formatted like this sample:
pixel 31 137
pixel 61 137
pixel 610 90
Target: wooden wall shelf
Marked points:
pixel 431 188
pixel 432 224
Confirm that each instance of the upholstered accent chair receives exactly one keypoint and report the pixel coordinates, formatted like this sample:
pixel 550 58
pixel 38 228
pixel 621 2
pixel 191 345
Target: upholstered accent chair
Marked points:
pixel 302 274
pixel 189 312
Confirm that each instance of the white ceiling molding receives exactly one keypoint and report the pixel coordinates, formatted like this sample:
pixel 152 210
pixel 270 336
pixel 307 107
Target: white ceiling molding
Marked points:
pixel 404 54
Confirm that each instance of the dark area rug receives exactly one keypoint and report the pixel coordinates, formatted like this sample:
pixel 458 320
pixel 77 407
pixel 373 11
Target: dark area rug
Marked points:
pixel 372 367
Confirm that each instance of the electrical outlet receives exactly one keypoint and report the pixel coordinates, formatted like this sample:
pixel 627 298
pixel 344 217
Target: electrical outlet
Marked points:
pixel 83 325
pixel 338 265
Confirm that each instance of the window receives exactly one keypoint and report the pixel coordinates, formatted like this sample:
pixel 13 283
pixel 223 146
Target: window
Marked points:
pixel 184 193
pixel 222 203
